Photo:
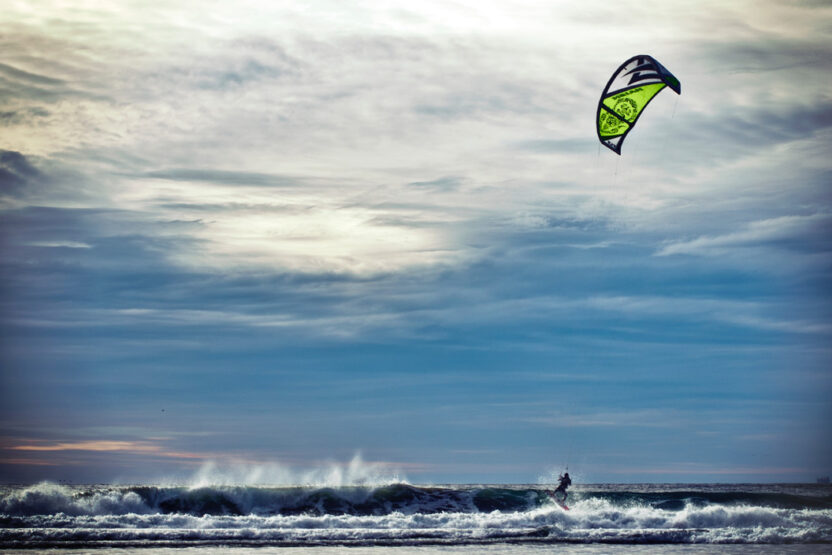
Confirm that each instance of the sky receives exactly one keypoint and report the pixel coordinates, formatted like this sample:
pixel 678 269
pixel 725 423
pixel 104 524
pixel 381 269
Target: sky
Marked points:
pixel 347 240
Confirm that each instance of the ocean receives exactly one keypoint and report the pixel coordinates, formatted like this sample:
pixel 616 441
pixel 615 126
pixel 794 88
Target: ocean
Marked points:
pixel 406 518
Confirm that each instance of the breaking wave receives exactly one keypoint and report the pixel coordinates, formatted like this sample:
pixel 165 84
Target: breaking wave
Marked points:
pixel 393 514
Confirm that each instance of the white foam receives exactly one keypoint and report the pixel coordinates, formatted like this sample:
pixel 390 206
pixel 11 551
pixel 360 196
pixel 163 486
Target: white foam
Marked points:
pixel 51 512
pixel 49 498
pixel 330 474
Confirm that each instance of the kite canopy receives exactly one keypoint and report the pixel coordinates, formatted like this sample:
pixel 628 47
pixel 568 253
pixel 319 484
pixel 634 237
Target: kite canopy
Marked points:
pixel 628 92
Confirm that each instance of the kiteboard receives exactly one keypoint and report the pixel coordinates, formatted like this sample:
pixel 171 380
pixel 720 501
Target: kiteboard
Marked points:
pixel 557 501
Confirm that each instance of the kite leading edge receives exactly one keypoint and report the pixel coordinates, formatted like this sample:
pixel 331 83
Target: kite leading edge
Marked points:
pixel 628 92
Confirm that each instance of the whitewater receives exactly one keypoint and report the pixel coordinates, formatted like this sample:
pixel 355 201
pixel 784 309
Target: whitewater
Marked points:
pixel 49 515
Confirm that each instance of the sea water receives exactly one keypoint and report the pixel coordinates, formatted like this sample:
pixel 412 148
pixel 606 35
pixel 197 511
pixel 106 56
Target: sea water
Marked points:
pixel 682 518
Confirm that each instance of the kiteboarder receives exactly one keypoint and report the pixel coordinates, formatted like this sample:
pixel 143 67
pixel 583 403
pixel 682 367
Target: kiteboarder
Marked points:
pixel 563 483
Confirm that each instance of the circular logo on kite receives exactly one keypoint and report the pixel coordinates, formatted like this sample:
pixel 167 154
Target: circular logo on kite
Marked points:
pixel 610 125
pixel 626 108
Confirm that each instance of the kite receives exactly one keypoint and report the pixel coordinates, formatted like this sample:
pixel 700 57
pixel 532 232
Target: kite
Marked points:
pixel 628 92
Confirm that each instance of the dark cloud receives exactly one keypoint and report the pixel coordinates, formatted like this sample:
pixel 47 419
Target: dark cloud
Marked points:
pixel 400 221
pixel 16 74
pixel 546 146
pixel 24 116
pixel 224 177
pixel 16 172
pixel 46 180
pixel 735 133
pixel 237 73
pixel 448 183
pixel 19 84
pixel 227 66
pixel 564 223
pixel 765 125
pixel 57 258
pixel 769 55
pixel 236 206
pixel 488 100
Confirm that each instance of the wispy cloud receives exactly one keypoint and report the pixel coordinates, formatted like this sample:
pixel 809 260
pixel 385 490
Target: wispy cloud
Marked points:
pixel 648 418
pixel 60 244
pixel 209 177
pixel 90 446
pixel 16 172
pixel 700 469
pixel 759 233
pixel 134 447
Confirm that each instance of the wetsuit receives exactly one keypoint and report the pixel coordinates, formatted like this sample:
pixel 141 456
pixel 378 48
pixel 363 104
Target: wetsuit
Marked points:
pixel 565 482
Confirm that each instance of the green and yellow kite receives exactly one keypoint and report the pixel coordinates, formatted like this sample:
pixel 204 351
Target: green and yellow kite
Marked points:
pixel 628 92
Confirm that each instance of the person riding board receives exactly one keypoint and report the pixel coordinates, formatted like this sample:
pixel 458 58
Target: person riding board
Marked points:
pixel 563 483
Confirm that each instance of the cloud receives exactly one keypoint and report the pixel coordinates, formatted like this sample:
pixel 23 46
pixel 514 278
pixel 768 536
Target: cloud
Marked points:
pixel 764 125
pixel 770 232
pixel 390 190
pixel 18 84
pixel 22 461
pixel 60 244
pixel 771 53
pixel 547 146
pixel 448 183
pixel 144 448
pixel 21 75
pixel 208 176
pixel 648 418
pixel 16 172
pixel 42 227
pixel 707 469
pixel 789 326
pixel 23 116
pixel 748 314
pixel 90 446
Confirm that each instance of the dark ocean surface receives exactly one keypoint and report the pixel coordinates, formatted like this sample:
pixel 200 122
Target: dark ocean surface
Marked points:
pixel 418 519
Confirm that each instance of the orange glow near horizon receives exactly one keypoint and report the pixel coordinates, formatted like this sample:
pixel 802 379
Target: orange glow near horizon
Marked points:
pixel 138 447
pixel 93 446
